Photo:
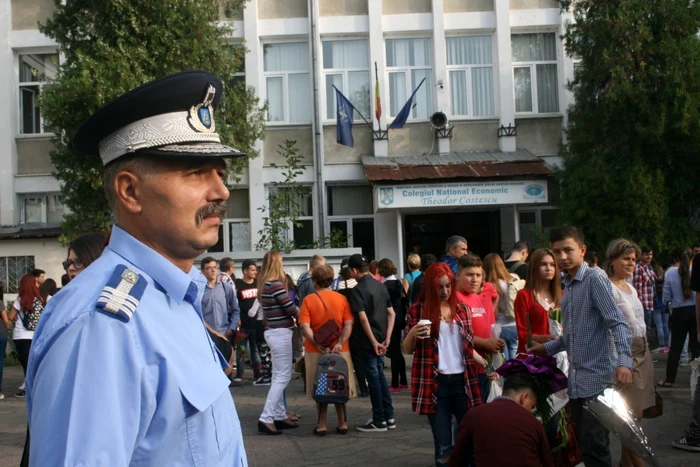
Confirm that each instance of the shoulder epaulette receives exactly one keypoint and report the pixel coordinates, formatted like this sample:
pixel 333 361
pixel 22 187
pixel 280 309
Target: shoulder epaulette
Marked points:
pixel 120 297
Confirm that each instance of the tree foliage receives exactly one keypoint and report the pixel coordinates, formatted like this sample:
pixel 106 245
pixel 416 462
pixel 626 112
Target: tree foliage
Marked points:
pixel 631 157
pixel 110 47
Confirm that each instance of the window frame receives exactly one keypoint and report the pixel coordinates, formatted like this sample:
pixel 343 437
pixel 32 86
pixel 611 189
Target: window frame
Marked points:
pixel 344 73
pixel 289 233
pixel 21 85
pixel 228 221
pixel 44 197
pixel 532 66
pixel 12 287
pixel 285 84
pixel 347 218
pixel 467 69
pixel 407 70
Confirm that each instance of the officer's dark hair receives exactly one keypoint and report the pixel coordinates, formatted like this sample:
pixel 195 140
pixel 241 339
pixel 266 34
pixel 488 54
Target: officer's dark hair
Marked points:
pixel 647 249
pixel 247 264
pixel 38 272
pixel 88 247
pixel 557 234
pixel 520 382
pixel 144 166
pixel 206 261
pixel 521 245
pixel 225 264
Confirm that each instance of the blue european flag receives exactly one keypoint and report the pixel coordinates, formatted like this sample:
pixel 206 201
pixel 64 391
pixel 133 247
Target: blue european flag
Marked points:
pixel 344 117
pixel 402 116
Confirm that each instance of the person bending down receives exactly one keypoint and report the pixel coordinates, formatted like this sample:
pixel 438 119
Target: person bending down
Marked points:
pixel 507 421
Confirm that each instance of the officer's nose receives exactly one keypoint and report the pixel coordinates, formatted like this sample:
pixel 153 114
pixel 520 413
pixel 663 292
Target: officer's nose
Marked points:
pixel 218 191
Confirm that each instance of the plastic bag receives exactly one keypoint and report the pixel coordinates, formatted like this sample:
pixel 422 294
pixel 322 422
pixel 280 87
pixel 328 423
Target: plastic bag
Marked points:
pixel 694 375
pixel 496 389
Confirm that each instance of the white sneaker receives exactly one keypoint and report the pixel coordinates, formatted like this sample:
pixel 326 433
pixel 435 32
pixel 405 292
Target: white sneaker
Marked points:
pixel 237 380
pixel 2 396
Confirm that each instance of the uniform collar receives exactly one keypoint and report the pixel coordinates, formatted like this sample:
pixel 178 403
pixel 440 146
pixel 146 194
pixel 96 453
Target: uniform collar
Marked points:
pixel 171 278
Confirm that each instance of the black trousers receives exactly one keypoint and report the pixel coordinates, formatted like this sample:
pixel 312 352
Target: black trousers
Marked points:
pixel 358 363
pixel 398 363
pixel 592 436
pixel 23 346
pixel 683 323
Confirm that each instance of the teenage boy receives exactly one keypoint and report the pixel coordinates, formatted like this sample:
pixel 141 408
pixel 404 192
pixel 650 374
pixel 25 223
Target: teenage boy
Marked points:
pixel 644 280
pixel 247 292
pixel 590 316
pixel 305 285
pixel 516 262
pixel 374 321
pixel 470 278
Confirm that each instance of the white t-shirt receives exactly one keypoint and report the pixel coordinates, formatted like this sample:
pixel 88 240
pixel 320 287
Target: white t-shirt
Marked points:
pixel 20 331
pixel 630 306
pixel 451 360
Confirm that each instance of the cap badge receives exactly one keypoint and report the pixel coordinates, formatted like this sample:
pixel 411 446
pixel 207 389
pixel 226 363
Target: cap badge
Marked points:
pixel 201 116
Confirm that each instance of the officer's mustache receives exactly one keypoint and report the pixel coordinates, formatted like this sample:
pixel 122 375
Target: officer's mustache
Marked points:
pixel 218 208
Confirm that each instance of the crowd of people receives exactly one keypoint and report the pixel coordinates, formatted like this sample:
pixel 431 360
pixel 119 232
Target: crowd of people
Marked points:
pixel 141 347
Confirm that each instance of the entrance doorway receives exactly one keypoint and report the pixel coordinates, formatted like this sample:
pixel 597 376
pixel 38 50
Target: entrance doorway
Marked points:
pixel 482 229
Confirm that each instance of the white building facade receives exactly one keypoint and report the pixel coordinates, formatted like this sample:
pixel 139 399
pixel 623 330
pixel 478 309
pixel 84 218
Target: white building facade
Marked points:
pixel 496 68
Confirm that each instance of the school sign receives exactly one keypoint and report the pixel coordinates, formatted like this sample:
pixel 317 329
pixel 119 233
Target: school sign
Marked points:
pixel 461 194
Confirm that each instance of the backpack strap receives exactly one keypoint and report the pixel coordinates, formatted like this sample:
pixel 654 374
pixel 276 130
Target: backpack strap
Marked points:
pixel 514 267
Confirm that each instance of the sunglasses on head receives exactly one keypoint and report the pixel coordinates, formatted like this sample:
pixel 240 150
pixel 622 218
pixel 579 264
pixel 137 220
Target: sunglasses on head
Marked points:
pixel 77 264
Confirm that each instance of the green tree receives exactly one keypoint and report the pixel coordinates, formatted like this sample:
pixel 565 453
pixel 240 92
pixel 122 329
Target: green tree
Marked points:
pixel 632 153
pixel 110 47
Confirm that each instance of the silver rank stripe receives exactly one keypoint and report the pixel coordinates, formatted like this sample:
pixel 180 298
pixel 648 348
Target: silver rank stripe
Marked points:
pixel 116 300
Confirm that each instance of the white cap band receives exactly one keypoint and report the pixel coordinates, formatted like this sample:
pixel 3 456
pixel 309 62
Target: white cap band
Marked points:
pixel 159 130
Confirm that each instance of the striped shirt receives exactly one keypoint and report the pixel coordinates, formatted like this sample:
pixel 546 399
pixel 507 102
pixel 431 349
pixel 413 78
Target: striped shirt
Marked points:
pixel 278 308
pixel 594 327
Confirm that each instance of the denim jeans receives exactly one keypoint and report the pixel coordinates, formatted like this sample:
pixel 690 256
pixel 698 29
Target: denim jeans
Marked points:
pixel 592 436
pixel 252 341
pixel 379 395
pixel 662 330
pixel 647 317
pixel 510 335
pixel 451 400
pixel 3 349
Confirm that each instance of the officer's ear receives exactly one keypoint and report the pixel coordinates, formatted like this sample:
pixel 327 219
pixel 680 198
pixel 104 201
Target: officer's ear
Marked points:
pixel 128 190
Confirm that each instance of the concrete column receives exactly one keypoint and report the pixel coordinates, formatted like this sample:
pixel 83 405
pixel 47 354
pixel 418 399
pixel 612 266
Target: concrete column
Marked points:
pixel 376 54
pixel 254 77
pixel 566 72
pixel 387 236
pixel 8 121
pixel 506 102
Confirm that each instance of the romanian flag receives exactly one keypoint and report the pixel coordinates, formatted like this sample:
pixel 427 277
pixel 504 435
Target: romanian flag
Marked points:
pixel 378 104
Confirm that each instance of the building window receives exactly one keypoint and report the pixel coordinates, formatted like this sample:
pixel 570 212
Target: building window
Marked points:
pixel 34 71
pixel 300 232
pixel 535 73
pixel 408 62
pixel 535 225
pixel 350 215
pixel 234 231
pixel 41 208
pixel 12 268
pixel 470 67
pixel 286 67
pixel 346 66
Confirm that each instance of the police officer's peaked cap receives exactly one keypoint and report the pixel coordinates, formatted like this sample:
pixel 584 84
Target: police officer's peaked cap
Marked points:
pixel 171 116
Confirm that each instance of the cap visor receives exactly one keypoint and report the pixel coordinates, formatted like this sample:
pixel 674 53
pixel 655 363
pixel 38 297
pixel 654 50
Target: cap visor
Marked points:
pixel 193 149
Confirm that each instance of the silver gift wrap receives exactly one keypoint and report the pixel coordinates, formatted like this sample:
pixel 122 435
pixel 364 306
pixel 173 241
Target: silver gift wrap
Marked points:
pixel 611 410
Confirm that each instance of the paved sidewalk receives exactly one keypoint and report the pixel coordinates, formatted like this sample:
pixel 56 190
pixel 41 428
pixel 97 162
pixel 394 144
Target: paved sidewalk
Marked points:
pixel 410 445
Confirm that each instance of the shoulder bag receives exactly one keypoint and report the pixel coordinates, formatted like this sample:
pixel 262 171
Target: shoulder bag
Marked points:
pixel 30 319
pixel 330 332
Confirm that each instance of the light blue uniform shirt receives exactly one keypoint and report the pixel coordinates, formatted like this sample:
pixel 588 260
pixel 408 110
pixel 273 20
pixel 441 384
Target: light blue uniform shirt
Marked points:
pixel 147 392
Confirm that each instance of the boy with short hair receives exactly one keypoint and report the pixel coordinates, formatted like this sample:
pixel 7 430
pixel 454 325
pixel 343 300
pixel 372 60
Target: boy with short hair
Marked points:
pixel 470 277
pixel 590 315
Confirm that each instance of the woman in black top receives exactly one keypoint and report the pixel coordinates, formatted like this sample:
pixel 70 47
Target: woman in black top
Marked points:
pixel 387 270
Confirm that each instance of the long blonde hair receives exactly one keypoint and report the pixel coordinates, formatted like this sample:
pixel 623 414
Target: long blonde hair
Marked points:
pixel 495 269
pixel 271 270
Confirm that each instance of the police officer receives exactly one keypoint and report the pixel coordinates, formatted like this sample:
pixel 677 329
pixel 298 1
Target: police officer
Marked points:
pixel 122 371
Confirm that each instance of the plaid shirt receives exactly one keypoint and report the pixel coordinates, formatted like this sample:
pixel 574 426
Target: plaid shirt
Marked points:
pixel 424 374
pixel 644 280
pixel 594 328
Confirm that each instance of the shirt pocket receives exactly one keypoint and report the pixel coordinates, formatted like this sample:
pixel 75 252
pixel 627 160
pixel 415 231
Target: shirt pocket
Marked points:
pixel 213 428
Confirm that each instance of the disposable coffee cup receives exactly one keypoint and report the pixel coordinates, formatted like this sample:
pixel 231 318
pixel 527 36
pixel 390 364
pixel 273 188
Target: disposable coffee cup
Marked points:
pixel 424 322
